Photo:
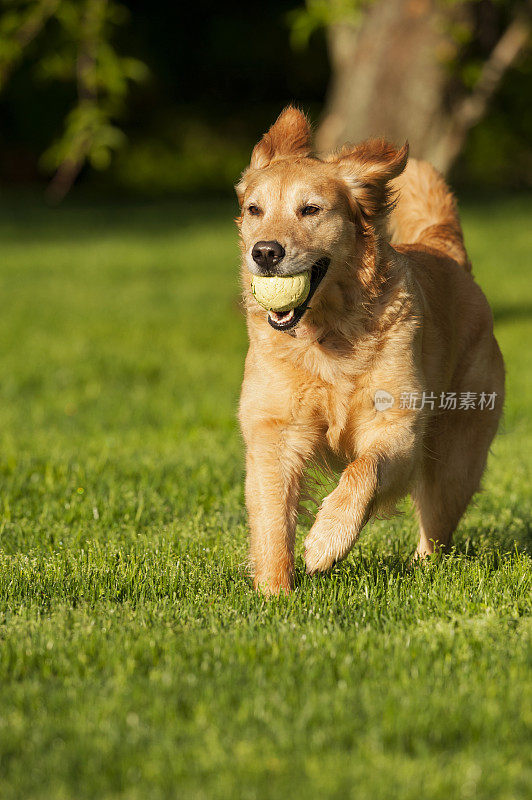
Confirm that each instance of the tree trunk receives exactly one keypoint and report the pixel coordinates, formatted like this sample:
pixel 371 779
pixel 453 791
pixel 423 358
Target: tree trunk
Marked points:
pixel 391 78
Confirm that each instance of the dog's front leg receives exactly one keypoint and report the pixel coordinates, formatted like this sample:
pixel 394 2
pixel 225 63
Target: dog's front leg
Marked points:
pixel 275 460
pixel 366 486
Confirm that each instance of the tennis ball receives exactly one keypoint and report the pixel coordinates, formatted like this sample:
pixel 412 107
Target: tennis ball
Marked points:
pixel 281 292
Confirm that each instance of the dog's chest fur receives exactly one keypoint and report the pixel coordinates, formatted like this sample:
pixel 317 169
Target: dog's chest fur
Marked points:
pixel 340 388
pixel 341 391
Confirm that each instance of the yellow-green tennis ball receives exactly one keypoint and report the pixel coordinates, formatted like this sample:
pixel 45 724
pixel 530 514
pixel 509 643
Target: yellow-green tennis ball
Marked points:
pixel 281 292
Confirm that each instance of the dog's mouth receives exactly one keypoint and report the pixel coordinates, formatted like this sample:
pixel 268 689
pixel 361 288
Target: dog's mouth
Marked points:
pixel 285 320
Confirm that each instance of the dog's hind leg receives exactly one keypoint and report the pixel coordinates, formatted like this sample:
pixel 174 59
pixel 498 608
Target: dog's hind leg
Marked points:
pixel 455 458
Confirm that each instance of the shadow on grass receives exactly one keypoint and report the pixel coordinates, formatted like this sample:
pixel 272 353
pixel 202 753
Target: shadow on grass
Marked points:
pixel 377 567
pixel 474 546
pixel 384 568
pixel 82 217
pixel 512 313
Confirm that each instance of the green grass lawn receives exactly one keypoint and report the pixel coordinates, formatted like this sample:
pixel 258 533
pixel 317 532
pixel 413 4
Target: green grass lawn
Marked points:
pixel 135 660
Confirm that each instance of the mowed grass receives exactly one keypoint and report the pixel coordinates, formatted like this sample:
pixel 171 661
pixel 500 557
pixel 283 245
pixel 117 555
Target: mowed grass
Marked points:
pixel 135 660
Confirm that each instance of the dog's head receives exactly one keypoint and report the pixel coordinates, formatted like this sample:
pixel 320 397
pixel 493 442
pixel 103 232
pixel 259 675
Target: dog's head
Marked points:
pixel 300 213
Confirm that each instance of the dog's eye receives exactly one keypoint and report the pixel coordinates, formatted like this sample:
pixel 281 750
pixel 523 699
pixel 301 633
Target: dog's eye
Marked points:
pixel 254 210
pixel 309 211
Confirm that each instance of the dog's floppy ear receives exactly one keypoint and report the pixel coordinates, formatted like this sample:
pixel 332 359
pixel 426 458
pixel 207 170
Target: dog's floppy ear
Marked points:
pixel 288 136
pixel 366 170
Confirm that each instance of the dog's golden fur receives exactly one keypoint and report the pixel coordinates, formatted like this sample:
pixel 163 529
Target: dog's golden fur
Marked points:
pixel 397 310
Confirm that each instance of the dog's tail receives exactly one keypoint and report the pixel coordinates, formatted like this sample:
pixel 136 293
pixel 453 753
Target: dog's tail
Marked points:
pixel 426 213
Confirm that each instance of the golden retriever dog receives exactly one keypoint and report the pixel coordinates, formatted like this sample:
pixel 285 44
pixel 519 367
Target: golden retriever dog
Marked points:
pixel 388 371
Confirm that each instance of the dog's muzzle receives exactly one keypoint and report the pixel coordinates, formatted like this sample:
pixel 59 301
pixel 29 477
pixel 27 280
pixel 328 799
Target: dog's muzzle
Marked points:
pixel 289 319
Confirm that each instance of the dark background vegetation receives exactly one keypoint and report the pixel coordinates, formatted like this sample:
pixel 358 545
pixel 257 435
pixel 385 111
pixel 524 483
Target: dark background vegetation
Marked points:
pixel 219 73
pixel 218 76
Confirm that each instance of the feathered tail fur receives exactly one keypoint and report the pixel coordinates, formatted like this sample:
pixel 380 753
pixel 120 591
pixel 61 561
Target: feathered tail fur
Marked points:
pixel 426 212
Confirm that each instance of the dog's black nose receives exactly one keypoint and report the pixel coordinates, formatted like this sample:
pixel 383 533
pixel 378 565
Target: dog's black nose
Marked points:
pixel 267 254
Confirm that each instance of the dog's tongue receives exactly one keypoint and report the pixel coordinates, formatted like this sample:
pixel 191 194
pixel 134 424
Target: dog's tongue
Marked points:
pixel 281 317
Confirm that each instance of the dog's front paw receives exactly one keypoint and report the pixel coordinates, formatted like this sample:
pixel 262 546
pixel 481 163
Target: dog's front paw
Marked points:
pixel 332 535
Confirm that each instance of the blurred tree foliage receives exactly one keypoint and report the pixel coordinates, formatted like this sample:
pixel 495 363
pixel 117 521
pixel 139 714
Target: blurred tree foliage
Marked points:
pixel 71 42
pixel 178 93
